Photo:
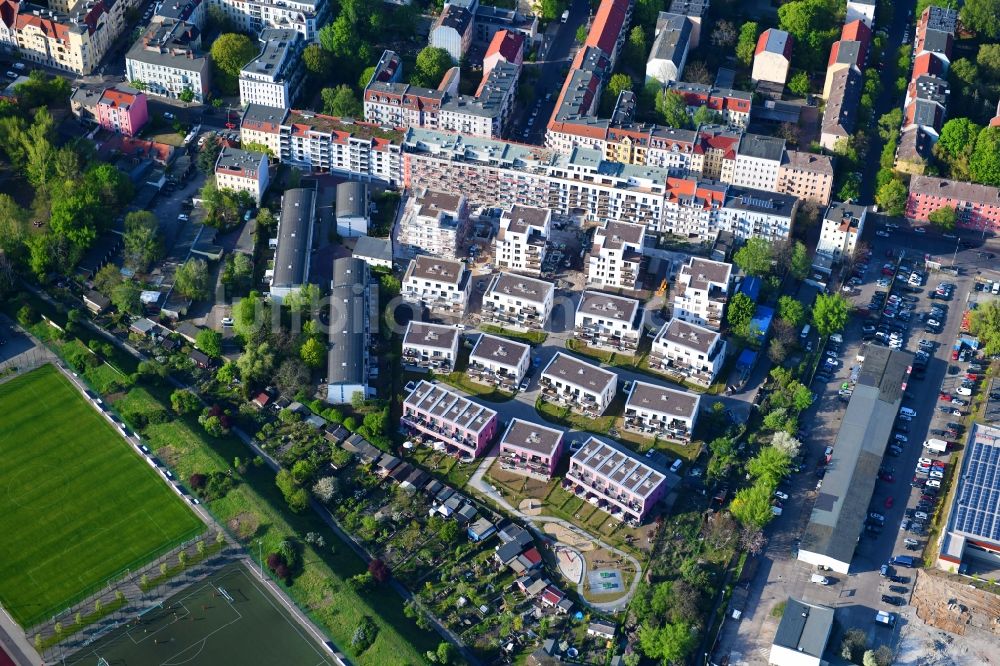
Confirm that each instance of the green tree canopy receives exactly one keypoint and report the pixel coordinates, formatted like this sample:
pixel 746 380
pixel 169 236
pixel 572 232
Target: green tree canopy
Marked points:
pixel 985 324
pixel 229 53
pixel 143 243
pixel 982 16
pixel 891 197
pixel 754 258
pixel 984 163
pixel 210 342
pixel 830 313
pixel 432 63
pixel 672 108
pixel 191 279
pixel 800 262
pixel 341 102
pixel 799 84
pixel 752 506
pixel 739 314
pixel 958 138
pixel 313 353
pixel 319 62
pixel 126 296
pixel 670 643
pixel 791 311
pixel 251 318
pixel 944 218
pixel 770 465
pixel 746 44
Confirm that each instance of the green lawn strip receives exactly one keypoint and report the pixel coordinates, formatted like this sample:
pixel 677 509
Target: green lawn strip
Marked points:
pixel 81 507
pixel 321 587
pixel 43 643
pixel 531 337
pixel 153 583
pixel 462 381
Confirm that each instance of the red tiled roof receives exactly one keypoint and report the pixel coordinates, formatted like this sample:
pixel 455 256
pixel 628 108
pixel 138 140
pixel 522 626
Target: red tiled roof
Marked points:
pixel 47 26
pixel 532 555
pixel 8 12
pixel 927 64
pixel 857 31
pixel 115 97
pixel 506 44
pixel 608 25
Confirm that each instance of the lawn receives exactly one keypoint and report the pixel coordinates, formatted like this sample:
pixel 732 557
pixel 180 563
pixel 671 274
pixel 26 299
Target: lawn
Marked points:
pixel 530 337
pixel 80 506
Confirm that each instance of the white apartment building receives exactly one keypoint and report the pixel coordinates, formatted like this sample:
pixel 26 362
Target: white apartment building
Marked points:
pixel 579 385
pixel 431 347
pixel 521 242
pixel 755 213
pixel 694 353
pixel 616 256
pixel 441 285
pixel 274 77
pixel 435 223
pixel 242 171
pixel 518 302
pixel 499 361
pixel 169 61
pixel 305 17
pixel 758 159
pixel 662 412
pixel 486 113
pixel 603 320
pixel 843 224
pixel 702 289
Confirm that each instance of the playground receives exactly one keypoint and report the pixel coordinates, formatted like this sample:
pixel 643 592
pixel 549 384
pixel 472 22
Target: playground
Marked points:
pixel 228 618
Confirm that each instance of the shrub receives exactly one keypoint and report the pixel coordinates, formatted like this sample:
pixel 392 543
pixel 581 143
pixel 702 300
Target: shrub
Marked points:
pixel 379 570
pixel 364 634
pixel 197 481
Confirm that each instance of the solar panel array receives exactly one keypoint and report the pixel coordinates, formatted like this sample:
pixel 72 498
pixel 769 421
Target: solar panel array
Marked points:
pixel 979 498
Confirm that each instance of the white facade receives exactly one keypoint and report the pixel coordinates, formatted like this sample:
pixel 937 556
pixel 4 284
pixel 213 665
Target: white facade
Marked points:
pixel 441 285
pixel 168 60
pixel 434 223
pixel 703 292
pixel 577 384
pixel 499 360
pixel 759 173
pixel 273 78
pixel 242 171
pixel 520 244
pixel 661 411
pixel 430 346
pixel 518 302
pixel 861 9
pixel 604 320
pixel 253 16
pixel 694 352
pixel 843 224
pixel 616 256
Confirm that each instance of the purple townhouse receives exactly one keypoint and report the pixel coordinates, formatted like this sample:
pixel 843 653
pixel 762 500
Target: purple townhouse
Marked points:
pixel 465 428
pixel 531 449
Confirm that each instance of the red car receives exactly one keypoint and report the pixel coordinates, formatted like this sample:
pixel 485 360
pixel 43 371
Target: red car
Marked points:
pixel 973 376
pixel 947 397
pixel 888 502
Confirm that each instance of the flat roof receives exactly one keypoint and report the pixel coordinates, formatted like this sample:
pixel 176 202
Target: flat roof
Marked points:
pixel 608 306
pixel 804 627
pixel 519 286
pixel 373 248
pixel 437 336
pixel 622 467
pixel 707 271
pixel 444 403
pixel 566 368
pixel 499 350
pixel 277 46
pixel 532 436
pixel 615 235
pixel 294 234
pixel 426 267
pixel 345 360
pixel 976 509
pixel 663 400
pixel 841 507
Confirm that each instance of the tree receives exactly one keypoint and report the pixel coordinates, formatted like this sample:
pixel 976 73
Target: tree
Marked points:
pixel 618 83
pixel 106 278
pixel 143 244
pixel 341 102
pixel 126 296
pixel 769 465
pixel 670 643
pixel 445 652
pixel 739 314
pixel 853 645
pixel 791 311
pixel 208 156
pixel 754 258
pixel 724 35
pixel 238 271
pixel 786 443
pixel 800 262
pixel 366 77
pixel 672 108
pixel 752 540
pixel 985 324
pixel 186 95
pixel 581 33
pixel 891 197
pixel 312 352
pixel 635 48
pixel 984 163
pixel 799 84
pixel 955 145
pixel 184 401
pixel 379 571
pixel 295 496
pixel 850 187
pixel 292 376
pixel 982 16
pixel 752 506
pixel 830 313
pixel 319 62
pixel 746 45
pixel 888 124
pixel 231 51
pixel 943 218
pixel 706 116
pixel 191 279
pixel 255 363
pixel 431 65
pixel 551 9
pixel 210 342
pixel 325 489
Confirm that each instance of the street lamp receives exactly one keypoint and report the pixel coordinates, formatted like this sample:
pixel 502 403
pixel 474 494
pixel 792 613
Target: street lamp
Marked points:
pixel 260 555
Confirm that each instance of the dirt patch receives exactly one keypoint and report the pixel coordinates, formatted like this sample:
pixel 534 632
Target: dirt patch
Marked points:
pixel 951 604
pixel 169 455
pixel 530 507
pixel 569 537
pixel 244 525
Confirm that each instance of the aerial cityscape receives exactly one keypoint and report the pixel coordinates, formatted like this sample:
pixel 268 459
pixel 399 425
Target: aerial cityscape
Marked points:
pixel 601 332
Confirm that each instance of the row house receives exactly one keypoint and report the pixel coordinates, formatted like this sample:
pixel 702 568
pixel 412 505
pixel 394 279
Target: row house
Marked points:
pixel 661 412
pixel 843 224
pixel 695 11
pixel 715 151
pixel 520 244
pixel 615 480
pixel 390 102
pixel 168 59
pixel 293 244
pixel 840 117
pixel 464 427
pixel 353 308
pixel 189 11
pixel 453 29
pixel 702 291
pixel 615 260
pixel 431 347
pixel 691 207
pixel 530 449
pixel 485 113
pixel 274 78
pixel 604 320
pixel 506 46
pixel 518 302
pixel 976 206
pixel 700 209
pixel 749 213
pixel 305 17
pixel 936 32
pixel 499 362
pixel 758 159
pixel 694 353
pixel 121 109
pixel 73 40
pixel 242 171
pixel 581 386
pixel 442 286
pixel 435 223
pixel 733 105
pixel 806 176
pixel 671 149
pixel 851 50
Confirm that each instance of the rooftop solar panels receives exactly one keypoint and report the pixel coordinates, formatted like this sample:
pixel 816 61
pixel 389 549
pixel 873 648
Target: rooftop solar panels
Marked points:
pixel 979 495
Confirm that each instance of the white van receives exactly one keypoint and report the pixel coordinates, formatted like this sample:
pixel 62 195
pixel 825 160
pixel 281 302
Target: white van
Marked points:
pixel 819 580
pixel 676 466
pixel 805 332
pixel 908 412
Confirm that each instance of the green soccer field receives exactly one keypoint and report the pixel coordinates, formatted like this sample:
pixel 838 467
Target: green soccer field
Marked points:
pixel 79 506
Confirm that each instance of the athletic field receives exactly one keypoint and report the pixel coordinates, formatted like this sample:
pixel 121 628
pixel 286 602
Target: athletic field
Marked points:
pixel 228 618
pixel 79 506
